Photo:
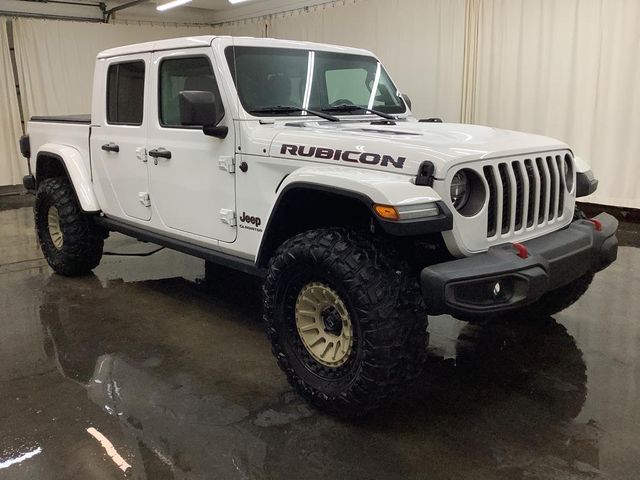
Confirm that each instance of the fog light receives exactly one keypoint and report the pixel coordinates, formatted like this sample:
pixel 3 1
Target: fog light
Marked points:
pixel 485 293
pixel 502 290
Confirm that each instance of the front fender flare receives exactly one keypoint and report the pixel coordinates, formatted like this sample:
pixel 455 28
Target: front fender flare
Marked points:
pixel 80 178
pixel 369 188
pixel 380 187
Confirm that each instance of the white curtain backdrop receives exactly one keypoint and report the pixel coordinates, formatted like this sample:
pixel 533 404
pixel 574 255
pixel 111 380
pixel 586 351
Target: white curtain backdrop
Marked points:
pixel 421 43
pixel 56 58
pixel 568 69
pixel 12 165
pixel 565 68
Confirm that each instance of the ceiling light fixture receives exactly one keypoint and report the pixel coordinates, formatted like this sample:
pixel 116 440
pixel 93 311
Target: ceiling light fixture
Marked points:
pixel 233 2
pixel 172 4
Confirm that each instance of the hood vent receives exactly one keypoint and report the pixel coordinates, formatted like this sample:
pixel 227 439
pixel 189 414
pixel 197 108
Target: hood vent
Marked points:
pixel 382 132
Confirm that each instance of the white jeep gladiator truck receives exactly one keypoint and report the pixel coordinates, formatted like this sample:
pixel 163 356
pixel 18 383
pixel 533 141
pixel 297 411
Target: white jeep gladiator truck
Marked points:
pixel 301 163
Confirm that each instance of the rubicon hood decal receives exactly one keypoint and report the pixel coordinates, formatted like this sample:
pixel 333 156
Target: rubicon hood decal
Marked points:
pixel 324 153
pixel 398 149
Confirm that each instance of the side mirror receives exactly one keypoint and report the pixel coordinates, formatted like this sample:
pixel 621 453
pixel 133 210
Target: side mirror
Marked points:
pixel 407 100
pixel 199 108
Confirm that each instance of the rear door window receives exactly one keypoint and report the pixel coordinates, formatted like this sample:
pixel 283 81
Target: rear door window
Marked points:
pixel 125 93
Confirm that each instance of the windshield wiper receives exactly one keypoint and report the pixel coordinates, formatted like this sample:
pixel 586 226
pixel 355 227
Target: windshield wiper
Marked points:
pixel 292 109
pixel 346 108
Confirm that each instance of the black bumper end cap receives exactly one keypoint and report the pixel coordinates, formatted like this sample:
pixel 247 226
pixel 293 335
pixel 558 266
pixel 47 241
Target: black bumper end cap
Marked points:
pixel 555 259
pixel 29 182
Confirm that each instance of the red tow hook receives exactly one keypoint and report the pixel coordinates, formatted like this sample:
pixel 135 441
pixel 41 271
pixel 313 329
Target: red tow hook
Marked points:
pixel 597 224
pixel 522 250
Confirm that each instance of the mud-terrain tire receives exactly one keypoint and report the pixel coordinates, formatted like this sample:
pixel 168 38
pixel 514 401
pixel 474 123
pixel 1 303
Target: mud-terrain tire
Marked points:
pixel 70 241
pixel 378 304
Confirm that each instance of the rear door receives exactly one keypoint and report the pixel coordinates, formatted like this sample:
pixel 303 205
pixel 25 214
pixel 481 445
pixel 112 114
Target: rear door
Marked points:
pixel 192 185
pixel 118 140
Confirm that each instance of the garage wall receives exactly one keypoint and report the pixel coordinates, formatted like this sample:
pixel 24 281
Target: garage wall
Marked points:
pixel 11 167
pixel 56 58
pixel 568 69
pixel 420 42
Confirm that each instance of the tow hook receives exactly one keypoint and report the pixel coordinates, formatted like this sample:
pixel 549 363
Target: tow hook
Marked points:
pixel 597 224
pixel 522 251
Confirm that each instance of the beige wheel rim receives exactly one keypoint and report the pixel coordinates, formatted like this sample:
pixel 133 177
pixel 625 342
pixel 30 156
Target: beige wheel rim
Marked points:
pixel 324 324
pixel 55 232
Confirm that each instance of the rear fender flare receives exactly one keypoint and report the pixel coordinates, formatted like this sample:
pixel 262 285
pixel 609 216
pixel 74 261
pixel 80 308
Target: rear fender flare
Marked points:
pixel 73 163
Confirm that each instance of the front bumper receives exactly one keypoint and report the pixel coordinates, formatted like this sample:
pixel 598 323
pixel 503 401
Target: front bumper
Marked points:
pixel 501 280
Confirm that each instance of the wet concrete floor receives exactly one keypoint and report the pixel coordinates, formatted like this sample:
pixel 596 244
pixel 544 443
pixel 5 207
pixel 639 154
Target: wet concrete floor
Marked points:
pixel 144 370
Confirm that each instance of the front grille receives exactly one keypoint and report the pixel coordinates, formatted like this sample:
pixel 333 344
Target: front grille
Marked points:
pixel 525 193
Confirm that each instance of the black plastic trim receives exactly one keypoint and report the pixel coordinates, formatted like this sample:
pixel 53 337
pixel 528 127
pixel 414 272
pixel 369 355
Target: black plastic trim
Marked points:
pixel 25 146
pixel 215 256
pixel 29 182
pixel 586 184
pixel 436 224
pixel 84 119
pixel 425 174
pixel 554 260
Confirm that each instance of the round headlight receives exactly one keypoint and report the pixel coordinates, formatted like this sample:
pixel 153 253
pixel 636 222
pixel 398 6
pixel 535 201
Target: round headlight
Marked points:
pixel 468 193
pixel 459 190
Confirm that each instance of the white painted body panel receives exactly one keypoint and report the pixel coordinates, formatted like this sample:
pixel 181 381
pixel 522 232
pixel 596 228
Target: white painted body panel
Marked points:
pixel 121 177
pixel 190 183
pixel 70 142
pixel 190 189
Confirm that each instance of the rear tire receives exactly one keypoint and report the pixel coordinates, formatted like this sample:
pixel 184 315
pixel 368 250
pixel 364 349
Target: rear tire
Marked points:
pixel 70 241
pixel 345 318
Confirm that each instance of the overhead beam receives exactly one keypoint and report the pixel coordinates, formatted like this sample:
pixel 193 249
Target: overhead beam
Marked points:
pixel 109 13
pixel 57 9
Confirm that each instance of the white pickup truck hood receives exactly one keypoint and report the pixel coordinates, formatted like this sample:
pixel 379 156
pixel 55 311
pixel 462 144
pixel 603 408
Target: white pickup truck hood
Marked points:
pixel 400 148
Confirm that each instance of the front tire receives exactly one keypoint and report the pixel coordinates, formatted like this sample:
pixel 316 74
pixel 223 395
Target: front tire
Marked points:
pixel 345 318
pixel 557 300
pixel 71 243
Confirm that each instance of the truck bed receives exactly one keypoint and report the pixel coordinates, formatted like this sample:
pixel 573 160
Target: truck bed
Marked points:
pixel 80 118
pixel 48 133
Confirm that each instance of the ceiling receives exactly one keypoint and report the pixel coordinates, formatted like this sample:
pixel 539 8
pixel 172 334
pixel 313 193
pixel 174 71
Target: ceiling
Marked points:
pixel 206 11
pixel 198 11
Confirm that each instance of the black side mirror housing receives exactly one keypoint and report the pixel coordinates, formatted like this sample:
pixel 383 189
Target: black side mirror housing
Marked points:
pixel 407 100
pixel 218 132
pixel 199 108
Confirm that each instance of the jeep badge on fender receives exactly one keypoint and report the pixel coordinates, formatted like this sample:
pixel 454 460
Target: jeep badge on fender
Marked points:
pixel 251 220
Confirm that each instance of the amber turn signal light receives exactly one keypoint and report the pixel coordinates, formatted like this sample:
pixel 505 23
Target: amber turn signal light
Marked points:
pixel 387 212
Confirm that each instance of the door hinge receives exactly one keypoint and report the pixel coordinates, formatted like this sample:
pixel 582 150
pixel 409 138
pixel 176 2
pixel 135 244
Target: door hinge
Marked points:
pixel 141 154
pixel 144 198
pixel 228 217
pixel 227 163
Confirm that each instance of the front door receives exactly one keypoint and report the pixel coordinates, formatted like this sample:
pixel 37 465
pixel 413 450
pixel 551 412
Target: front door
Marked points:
pixel 118 141
pixel 192 183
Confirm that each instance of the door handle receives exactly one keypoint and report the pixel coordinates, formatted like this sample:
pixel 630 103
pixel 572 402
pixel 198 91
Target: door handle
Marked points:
pixel 159 153
pixel 111 147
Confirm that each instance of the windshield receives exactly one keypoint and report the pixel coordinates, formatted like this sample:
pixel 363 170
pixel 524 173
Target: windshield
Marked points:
pixel 312 80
